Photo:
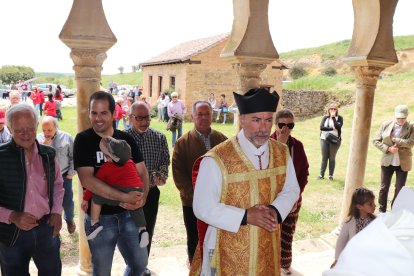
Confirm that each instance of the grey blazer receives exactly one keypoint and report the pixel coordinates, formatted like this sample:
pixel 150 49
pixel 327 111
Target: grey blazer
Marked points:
pixel 383 141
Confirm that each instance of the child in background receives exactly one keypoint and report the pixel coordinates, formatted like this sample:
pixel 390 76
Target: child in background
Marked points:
pixel 120 172
pixel 361 213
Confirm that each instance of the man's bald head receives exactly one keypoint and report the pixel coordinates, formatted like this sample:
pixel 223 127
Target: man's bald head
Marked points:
pixel 139 106
pixel 140 117
pixel 49 126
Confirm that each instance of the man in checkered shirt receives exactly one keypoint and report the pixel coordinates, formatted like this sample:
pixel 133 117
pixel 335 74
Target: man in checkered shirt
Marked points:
pixel 154 148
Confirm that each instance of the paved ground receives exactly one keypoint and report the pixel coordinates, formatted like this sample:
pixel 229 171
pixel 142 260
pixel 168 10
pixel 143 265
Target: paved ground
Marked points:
pixel 310 258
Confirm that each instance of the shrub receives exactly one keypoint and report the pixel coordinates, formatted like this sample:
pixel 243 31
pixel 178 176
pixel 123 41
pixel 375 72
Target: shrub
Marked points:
pixel 329 71
pixel 297 71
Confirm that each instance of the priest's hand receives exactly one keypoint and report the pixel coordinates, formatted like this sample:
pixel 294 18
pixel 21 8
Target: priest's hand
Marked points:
pixel 262 216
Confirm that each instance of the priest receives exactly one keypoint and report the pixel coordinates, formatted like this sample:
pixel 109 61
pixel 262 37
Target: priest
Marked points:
pixel 244 188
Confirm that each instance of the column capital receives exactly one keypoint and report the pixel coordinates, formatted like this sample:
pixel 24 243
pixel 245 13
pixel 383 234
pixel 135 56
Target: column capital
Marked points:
pixel 248 75
pixel 88 63
pixel 368 75
pixel 372 38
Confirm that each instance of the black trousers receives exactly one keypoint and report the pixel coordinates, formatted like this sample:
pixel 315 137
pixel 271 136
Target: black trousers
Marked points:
pixel 386 176
pixel 190 222
pixel 151 211
pixel 328 151
pixel 166 117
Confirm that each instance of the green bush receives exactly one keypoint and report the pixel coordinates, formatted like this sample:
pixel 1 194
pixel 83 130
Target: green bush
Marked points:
pixel 297 72
pixel 329 71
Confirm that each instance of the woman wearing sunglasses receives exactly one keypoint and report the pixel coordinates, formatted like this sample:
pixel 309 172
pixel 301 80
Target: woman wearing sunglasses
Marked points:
pixel 330 139
pixel 284 124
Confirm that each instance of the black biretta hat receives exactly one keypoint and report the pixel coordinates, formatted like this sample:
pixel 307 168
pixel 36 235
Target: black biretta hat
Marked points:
pixel 256 100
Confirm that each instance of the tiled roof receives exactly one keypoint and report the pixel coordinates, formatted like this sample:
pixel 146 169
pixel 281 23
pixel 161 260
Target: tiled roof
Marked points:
pixel 186 50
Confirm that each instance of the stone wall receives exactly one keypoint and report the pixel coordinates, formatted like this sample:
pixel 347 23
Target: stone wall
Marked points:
pixel 305 104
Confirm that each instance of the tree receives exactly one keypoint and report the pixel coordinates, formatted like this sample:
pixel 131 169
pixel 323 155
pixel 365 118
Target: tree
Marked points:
pixel 134 68
pixel 9 73
pixel 297 71
pixel 329 71
pixel 121 69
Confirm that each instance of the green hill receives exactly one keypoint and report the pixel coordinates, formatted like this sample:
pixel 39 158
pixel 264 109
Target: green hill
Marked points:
pixel 339 49
pixel 126 78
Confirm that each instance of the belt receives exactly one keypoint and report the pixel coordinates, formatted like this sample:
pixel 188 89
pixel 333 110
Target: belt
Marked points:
pixel 43 219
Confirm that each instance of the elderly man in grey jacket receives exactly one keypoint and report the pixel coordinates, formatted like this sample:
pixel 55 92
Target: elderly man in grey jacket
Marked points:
pixel 395 138
pixel 62 142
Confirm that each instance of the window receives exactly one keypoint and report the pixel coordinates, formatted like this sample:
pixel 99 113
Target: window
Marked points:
pixel 159 85
pixel 172 82
pixel 150 85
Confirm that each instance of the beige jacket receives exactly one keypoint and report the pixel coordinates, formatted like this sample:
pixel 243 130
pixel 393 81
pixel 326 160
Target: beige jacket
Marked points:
pixel 383 141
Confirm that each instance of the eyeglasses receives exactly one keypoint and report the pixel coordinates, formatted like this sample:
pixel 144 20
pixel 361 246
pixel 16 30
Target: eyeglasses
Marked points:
pixel 174 97
pixel 140 118
pixel 290 125
pixel 24 130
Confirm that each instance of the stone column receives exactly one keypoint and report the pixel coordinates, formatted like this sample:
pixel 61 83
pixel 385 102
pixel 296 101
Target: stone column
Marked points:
pixel 250 47
pixel 371 51
pixel 366 77
pixel 88 35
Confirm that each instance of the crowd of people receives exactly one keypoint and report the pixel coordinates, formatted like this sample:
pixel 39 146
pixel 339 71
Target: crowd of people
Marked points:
pixel 237 192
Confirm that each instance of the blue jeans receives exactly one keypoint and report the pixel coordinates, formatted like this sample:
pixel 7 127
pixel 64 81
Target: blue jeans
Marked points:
pixel 125 123
pixel 118 230
pixel 24 96
pixel 174 134
pixel 68 204
pixel 38 244
pixel 161 114
pixel 39 108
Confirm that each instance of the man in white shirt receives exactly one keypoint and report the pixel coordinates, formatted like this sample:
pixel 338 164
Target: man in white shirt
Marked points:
pixel 245 187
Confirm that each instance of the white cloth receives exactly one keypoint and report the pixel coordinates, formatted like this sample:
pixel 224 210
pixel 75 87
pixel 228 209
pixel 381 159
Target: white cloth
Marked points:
pixel 206 202
pixel 385 246
pixel 166 100
pixel 396 132
pixel 404 200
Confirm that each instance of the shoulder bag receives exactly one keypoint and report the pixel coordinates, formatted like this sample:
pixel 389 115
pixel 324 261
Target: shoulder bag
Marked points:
pixel 332 138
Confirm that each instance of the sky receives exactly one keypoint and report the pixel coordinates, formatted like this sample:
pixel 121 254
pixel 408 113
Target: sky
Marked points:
pixel 147 28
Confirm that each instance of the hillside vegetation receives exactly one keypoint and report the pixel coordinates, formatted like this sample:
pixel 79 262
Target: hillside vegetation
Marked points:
pixel 69 79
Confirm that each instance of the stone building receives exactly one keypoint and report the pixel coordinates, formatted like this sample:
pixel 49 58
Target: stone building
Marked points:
pixel 194 69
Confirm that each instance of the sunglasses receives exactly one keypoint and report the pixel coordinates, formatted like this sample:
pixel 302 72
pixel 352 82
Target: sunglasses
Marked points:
pixel 290 125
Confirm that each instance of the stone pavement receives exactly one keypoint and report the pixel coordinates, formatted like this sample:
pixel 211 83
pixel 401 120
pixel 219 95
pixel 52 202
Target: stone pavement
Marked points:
pixel 310 258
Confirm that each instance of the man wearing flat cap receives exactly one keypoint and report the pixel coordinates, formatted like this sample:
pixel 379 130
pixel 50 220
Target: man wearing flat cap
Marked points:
pixel 244 189
pixel 395 138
